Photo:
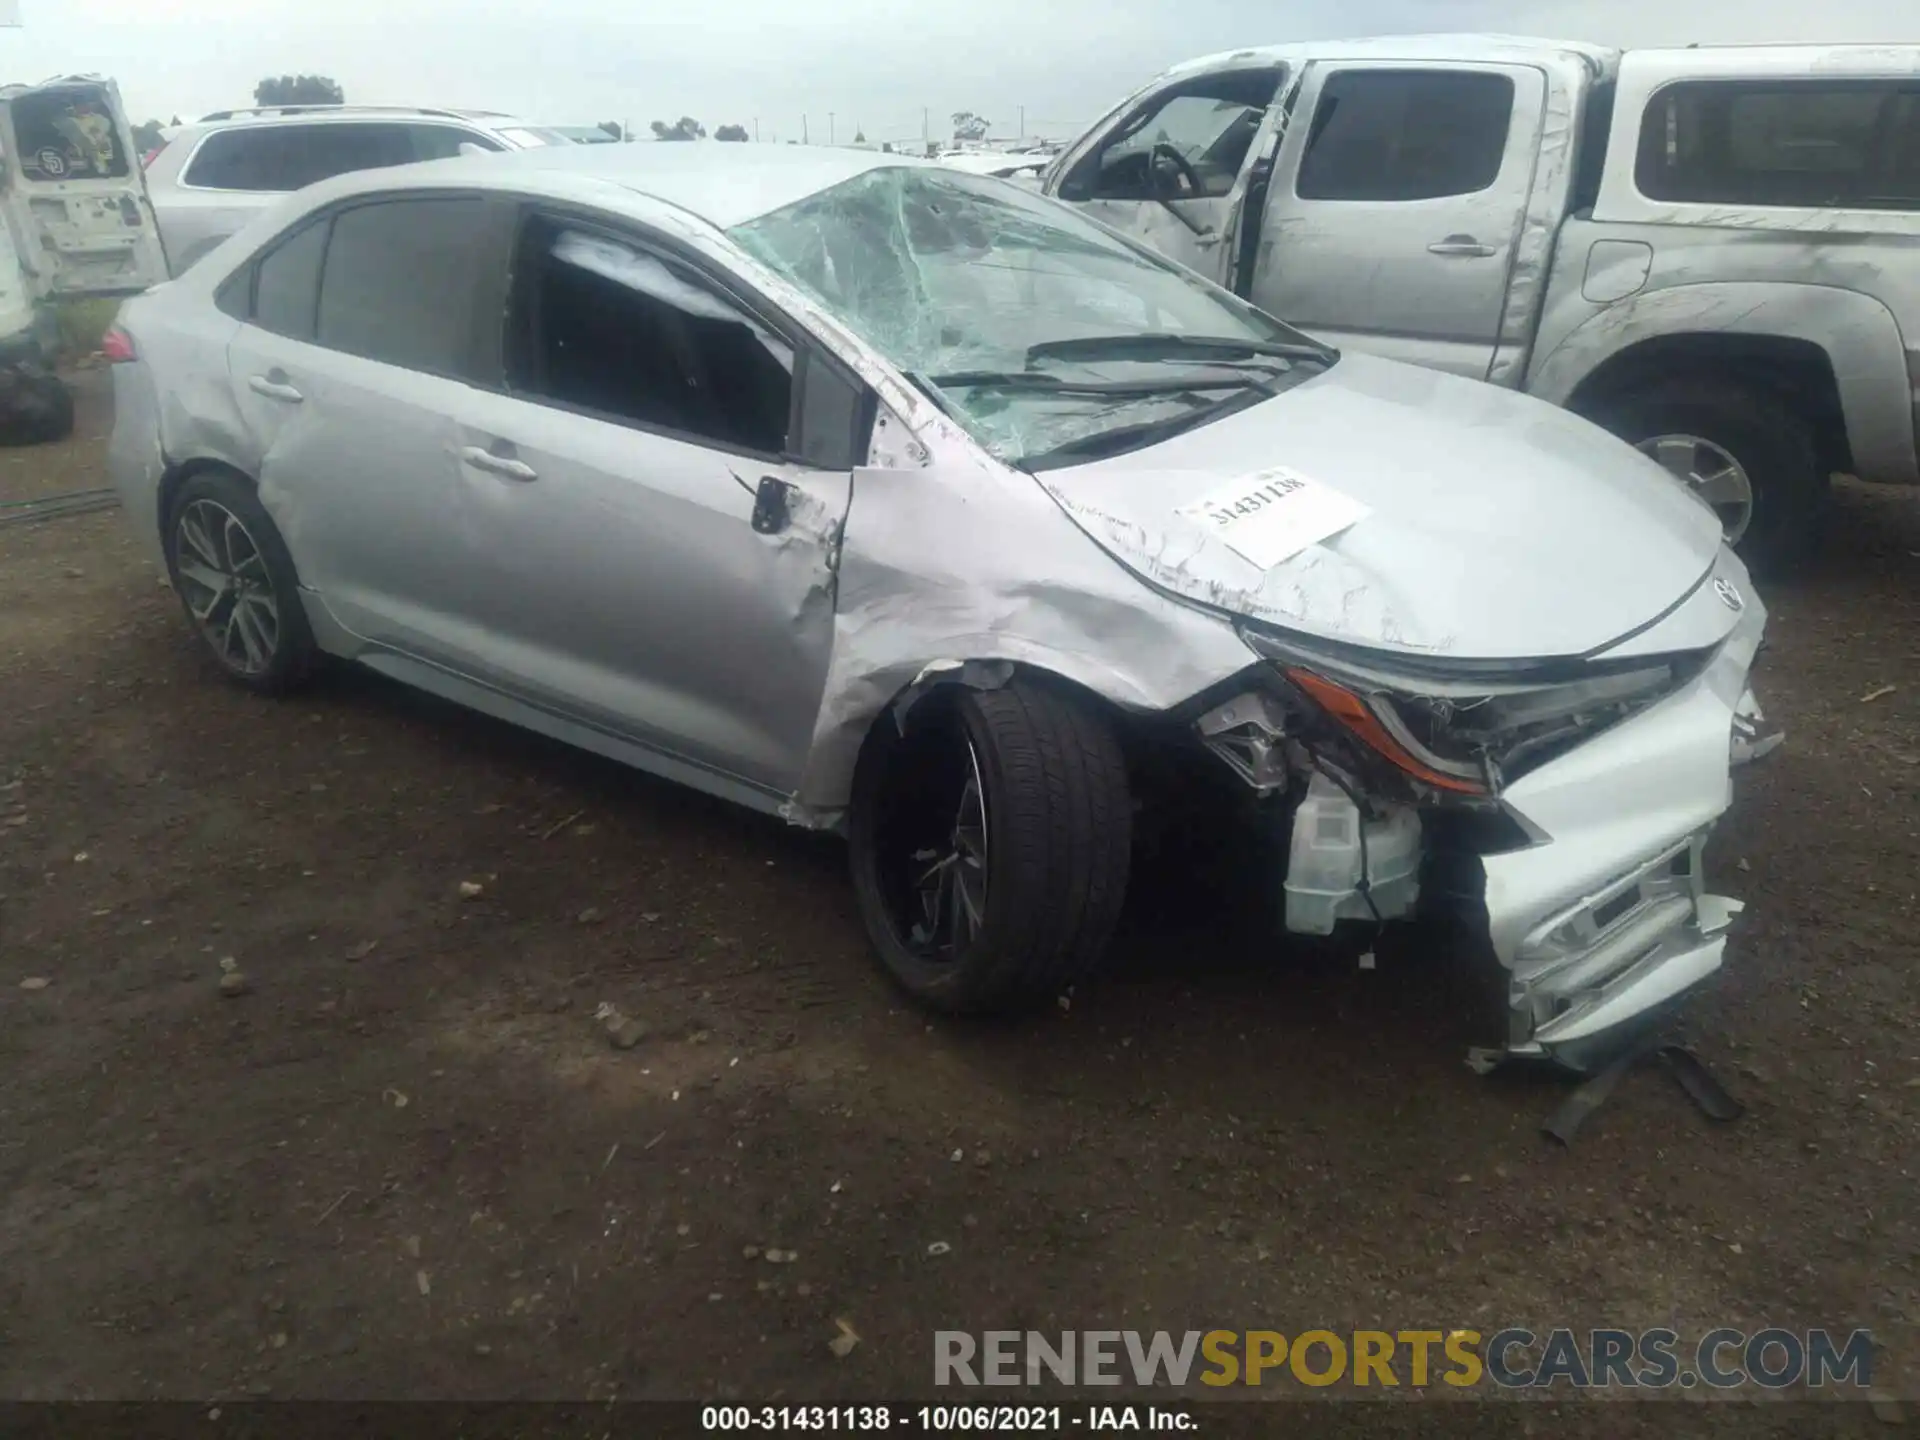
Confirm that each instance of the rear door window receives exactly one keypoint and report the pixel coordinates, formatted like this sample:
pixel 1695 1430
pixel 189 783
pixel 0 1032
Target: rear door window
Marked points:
pixel 399 281
pixel 1406 135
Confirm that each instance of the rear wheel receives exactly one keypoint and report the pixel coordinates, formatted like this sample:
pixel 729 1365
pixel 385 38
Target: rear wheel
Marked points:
pixel 990 845
pixel 1744 451
pixel 236 581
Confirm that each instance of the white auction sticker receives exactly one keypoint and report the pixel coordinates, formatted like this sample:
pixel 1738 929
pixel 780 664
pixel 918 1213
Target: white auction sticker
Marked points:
pixel 1272 515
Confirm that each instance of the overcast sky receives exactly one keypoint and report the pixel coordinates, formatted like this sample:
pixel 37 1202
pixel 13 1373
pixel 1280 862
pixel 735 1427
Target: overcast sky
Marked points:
pixel 871 63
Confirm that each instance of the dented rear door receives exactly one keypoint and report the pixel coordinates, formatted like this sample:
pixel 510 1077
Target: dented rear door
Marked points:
pixel 76 200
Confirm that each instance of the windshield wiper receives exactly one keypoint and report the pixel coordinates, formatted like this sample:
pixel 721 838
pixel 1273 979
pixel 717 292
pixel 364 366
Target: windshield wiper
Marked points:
pixel 1054 385
pixel 1160 345
pixel 1122 438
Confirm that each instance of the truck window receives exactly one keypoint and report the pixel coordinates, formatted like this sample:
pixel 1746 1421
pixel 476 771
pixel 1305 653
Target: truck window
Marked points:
pixel 1185 144
pixel 1406 135
pixel 1794 143
pixel 68 133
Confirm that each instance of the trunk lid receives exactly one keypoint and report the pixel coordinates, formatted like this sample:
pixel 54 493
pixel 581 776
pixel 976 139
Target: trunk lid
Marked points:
pixel 1496 526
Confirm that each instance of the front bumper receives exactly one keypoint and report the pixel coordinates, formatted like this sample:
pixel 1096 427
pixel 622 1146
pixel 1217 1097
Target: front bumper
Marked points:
pixel 1605 925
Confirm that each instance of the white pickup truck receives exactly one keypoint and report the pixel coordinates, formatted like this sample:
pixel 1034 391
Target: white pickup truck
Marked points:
pixel 1715 253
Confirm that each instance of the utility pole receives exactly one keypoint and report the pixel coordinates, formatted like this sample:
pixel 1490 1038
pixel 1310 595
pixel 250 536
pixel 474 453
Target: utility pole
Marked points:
pixel 803 131
pixel 926 136
pixel 1022 136
pixel 829 127
pixel 756 129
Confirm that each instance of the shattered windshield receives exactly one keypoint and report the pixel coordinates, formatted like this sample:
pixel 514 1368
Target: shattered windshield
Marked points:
pixel 1049 337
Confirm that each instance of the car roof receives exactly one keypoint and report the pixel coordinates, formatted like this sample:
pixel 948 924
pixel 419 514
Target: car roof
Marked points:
pixel 347 115
pixel 723 183
pixel 1434 46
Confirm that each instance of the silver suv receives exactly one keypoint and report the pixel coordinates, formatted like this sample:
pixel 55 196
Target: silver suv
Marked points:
pixel 214 176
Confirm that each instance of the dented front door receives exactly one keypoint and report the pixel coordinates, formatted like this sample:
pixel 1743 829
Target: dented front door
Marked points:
pixel 76 200
pixel 655 563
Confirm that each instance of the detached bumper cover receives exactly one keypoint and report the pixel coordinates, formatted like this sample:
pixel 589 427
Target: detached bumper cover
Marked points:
pixel 1607 923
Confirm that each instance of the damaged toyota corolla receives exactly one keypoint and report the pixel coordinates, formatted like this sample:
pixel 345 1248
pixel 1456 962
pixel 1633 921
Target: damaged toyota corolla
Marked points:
pixel 900 501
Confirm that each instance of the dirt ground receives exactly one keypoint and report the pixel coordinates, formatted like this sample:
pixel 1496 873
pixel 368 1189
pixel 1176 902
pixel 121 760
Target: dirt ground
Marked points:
pixel 408 1163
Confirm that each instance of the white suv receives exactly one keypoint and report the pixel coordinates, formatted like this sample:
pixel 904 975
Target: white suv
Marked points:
pixel 214 176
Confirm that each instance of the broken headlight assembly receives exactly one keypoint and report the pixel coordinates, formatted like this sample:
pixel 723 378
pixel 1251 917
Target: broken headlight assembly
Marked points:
pixel 1464 728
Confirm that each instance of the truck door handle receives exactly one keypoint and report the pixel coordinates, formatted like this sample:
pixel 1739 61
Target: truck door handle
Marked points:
pixel 1462 245
pixel 504 465
pixel 275 389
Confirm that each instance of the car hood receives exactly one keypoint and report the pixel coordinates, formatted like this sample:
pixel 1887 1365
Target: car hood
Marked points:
pixel 1496 526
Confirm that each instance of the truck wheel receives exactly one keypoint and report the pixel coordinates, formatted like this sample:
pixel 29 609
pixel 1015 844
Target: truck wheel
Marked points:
pixel 232 572
pixel 990 845
pixel 1745 452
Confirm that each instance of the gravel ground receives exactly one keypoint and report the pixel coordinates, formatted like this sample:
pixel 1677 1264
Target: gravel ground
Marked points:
pixel 407 1162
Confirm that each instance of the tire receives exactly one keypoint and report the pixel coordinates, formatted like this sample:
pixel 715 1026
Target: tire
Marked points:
pixel 1771 442
pixel 38 409
pixel 1058 840
pixel 217 529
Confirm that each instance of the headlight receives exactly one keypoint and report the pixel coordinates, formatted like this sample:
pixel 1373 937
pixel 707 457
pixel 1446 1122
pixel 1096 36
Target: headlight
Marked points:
pixel 1466 728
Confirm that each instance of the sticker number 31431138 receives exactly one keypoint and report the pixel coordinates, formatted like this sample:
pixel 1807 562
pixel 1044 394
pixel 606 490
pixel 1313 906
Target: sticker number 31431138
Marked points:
pixel 1273 515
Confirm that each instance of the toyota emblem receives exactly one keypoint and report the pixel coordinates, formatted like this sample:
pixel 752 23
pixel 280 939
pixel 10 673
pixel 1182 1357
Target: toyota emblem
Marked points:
pixel 1728 593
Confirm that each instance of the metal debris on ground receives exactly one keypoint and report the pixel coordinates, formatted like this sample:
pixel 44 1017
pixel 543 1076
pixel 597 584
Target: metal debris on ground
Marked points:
pixel 842 1344
pixel 1686 1069
pixel 1873 695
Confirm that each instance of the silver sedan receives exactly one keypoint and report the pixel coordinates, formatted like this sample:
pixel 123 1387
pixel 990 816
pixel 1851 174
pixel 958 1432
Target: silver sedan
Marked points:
pixel 896 500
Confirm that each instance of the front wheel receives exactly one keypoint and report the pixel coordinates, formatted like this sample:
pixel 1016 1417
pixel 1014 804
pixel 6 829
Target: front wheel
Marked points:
pixel 1748 454
pixel 990 845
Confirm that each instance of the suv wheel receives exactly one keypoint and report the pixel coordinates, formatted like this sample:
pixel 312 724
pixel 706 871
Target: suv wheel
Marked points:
pixel 990 845
pixel 1743 451
pixel 232 572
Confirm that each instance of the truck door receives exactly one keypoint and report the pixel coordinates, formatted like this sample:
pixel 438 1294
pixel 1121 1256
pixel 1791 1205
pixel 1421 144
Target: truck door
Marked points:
pixel 1165 171
pixel 1396 205
pixel 75 199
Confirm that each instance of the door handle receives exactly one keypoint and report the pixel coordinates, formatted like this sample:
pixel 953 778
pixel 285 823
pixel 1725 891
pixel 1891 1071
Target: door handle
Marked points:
pixel 771 511
pixel 503 465
pixel 1462 245
pixel 274 389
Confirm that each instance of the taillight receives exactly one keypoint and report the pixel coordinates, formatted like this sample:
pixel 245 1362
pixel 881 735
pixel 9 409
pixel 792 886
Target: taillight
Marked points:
pixel 151 156
pixel 116 347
